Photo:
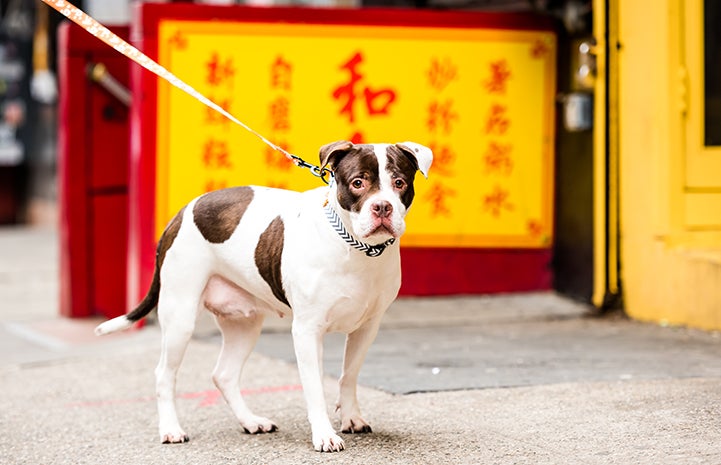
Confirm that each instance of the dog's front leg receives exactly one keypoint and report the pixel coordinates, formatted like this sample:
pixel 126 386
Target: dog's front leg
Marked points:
pixel 307 341
pixel 356 347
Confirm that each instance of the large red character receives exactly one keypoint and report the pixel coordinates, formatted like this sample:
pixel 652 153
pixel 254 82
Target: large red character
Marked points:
pixel 377 102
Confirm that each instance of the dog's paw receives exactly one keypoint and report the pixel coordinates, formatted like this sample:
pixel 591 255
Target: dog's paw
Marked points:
pixel 330 442
pixel 258 425
pixel 355 425
pixel 176 437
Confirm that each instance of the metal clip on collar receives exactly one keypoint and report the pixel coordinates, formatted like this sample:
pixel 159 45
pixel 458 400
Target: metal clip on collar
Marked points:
pixel 317 171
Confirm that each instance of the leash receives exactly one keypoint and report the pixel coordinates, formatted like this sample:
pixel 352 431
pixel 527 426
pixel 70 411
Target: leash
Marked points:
pixel 111 39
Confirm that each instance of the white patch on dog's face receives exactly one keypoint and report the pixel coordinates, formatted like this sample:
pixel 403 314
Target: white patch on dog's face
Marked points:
pixel 382 214
pixel 374 184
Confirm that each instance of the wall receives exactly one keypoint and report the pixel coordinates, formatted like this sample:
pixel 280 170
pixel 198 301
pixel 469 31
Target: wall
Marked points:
pixel 670 272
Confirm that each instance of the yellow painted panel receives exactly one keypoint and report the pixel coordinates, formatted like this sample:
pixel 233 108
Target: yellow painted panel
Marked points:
pixel 483 100
pixel 600 148
pixel 703 210
pixel 703 167
pixel 703 164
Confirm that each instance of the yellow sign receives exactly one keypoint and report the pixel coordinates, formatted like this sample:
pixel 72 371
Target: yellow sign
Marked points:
pixel 481 99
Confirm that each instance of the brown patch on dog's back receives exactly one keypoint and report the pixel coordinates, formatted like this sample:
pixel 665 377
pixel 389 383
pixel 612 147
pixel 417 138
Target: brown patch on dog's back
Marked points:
pixel 268 254
pixel 218 213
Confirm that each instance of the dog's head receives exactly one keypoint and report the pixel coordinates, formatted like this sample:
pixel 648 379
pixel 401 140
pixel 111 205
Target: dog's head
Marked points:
pixel 373 184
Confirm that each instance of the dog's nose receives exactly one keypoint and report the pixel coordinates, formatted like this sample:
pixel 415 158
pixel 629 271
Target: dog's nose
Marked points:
pixel 382 209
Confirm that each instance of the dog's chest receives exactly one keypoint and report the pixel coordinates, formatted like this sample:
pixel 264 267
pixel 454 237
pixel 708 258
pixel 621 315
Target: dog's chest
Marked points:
pixel 342 292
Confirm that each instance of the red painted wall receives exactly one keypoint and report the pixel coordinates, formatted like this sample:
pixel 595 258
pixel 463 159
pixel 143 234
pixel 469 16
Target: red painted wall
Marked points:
pixel 93 156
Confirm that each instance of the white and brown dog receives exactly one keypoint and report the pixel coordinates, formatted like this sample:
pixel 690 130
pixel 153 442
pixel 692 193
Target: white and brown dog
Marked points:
pixel 329 256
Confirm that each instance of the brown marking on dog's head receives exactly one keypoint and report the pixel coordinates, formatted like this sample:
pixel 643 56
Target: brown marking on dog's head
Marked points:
pixel 402 165
pixel 218 213
pixel 331 153
pixel 356 174
pixel 168 237
pixel 268 254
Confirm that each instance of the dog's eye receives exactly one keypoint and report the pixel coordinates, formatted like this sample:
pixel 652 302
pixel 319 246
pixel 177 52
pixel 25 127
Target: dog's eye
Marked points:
pixel 399 184
pixel 357 183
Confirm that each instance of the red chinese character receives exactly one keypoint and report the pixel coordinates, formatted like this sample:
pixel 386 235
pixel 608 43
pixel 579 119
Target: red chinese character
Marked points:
pixel 348 90
pixel 441 116
pixel 539 49
pixel 444 157
pixel 377 102
pixel 437 196
pixel 497 201
pixel 214 185
pixel 277 184
pixel 357 138
pixel 534 228
pixel 280 114
pixel 216 154
pixel 497 158
pixel 280 74
pixel 178 40
pixel 219 71
pixel 277 160
pixel 500 73
pixel 498 121
pixel 214 117
pixel 441 73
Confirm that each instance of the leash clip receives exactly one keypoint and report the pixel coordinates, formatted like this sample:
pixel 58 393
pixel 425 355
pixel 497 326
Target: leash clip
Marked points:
pixel 316 171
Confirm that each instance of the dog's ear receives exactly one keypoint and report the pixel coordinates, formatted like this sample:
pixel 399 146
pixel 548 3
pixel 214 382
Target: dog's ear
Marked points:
pixel 331 153
pixel 420 154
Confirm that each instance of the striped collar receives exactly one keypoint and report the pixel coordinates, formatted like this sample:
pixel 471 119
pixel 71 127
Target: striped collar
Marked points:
pixel 337 224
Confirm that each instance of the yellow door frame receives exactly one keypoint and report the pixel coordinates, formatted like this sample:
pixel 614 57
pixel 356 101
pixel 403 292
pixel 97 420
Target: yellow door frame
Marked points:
pixel 606 283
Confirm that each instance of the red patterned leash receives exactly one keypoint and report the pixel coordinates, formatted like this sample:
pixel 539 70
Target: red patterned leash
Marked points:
pixel 85 21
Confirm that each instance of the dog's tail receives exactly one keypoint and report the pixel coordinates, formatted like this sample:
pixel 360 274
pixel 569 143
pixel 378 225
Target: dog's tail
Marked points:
pixel 141 311
pixel 151 298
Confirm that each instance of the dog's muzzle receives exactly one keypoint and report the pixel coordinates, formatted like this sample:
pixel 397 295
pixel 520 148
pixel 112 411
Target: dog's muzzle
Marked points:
pixel 369 250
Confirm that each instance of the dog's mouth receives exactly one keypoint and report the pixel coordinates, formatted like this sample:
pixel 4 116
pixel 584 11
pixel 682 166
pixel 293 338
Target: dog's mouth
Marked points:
pixel 381 226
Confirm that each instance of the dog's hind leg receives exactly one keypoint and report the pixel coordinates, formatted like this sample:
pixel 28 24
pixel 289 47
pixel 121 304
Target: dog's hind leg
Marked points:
pixel 176 314
pixel 239 337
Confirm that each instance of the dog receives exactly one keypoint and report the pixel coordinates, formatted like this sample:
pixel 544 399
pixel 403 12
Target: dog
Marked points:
pixel 328 256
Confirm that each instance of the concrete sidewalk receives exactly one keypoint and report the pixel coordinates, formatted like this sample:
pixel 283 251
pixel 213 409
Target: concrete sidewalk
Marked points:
pixel 523 379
